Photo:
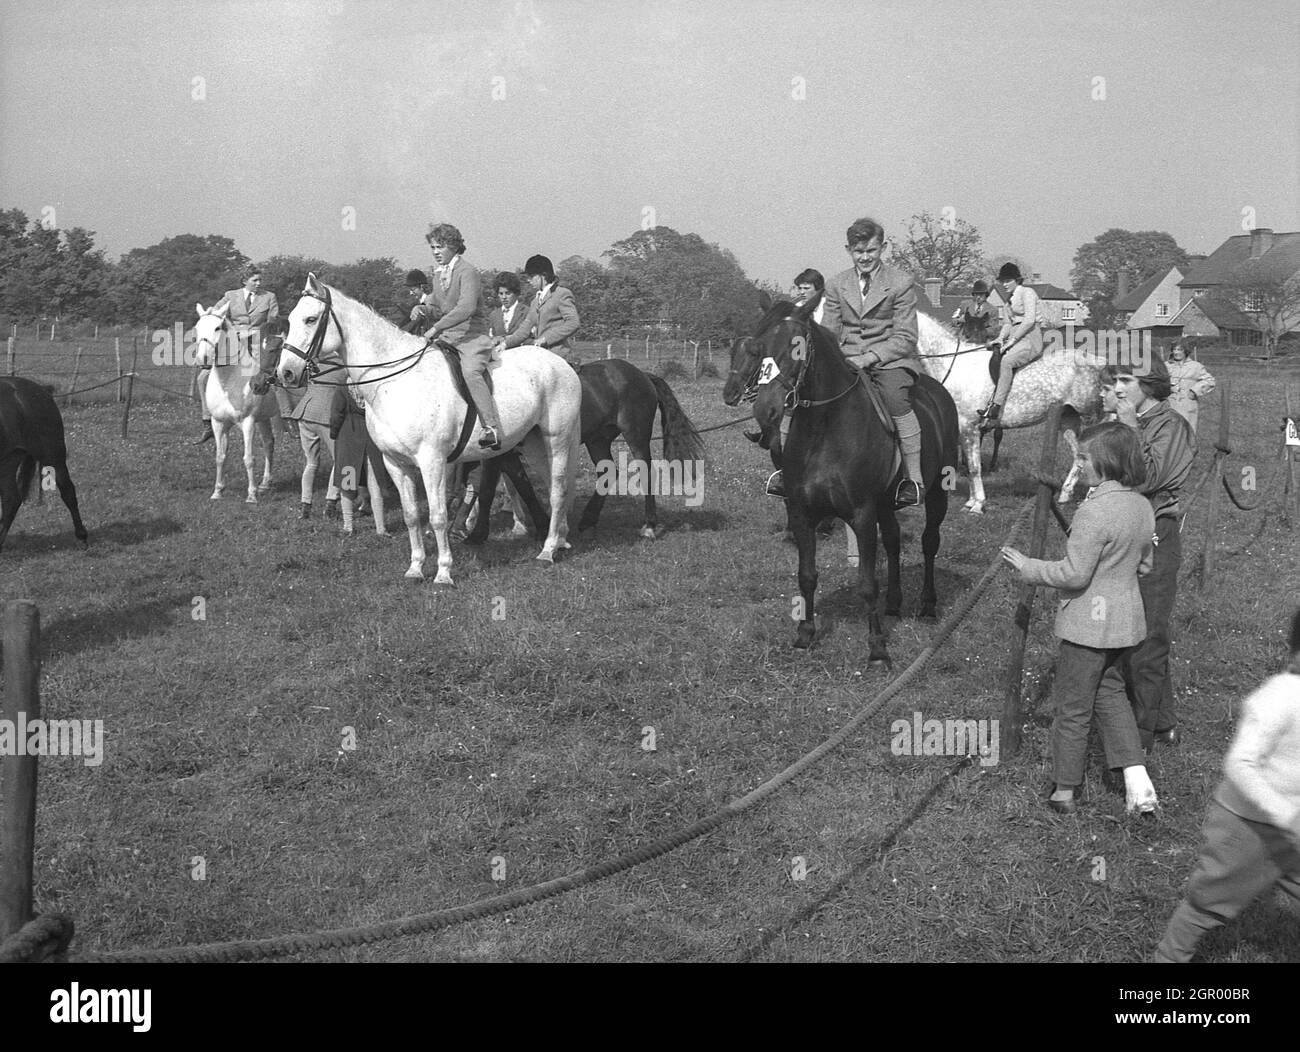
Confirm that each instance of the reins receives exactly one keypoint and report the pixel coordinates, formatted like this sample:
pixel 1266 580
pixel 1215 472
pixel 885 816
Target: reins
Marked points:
pixel 312 353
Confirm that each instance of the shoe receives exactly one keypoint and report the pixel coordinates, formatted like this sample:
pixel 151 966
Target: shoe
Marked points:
pixel 909 494
pixel 489 440
pixel 332 509
pixel 207 435
pixel 1113 781
pixel 753 436
pixel 1173 736
pixel 990 416
pixel 305 513
pixel 1063 807
pixel 776 485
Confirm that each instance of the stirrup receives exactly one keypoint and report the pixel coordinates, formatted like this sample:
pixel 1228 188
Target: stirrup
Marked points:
pixel 489 439
pixel 903 495
pixel 776 485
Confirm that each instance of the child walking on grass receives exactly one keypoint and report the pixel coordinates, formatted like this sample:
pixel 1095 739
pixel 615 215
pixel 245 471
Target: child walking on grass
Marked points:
pixel 1252 826
pixel 1100 616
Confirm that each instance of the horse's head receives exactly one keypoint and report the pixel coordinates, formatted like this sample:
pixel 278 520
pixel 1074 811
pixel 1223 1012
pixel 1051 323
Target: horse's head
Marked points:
pixel 310 328
pixel 785 340
pixel 744 371
pixel 207 333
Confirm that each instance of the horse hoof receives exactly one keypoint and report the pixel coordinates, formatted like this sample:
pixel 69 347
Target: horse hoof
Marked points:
pixel 974 509
pixel 546 557
pixel 265 487
pixel 251 499
pixel 853 560
pixel 803 637
pixel 894 611
pixel 929 616
pixel 414 574
pixel 215 496
pixel 879 663
pixel 648 532
pixel 443 582
pixel 518 530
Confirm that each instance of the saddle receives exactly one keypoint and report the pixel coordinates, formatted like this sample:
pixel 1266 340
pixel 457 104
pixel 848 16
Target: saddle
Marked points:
pixel 995 365
pixel 458 378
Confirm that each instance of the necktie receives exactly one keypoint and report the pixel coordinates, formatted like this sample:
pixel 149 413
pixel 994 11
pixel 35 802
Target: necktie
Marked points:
pixel 444 278
pixel 250 303
pixel 866 285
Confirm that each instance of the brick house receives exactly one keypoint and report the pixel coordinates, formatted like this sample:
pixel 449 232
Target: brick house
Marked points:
pixel 1153 305
pixel 1207 285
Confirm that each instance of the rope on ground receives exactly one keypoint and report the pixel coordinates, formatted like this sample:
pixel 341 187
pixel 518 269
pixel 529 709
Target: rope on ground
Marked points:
pixel 865 858
pixel 40 939
pixel 340 938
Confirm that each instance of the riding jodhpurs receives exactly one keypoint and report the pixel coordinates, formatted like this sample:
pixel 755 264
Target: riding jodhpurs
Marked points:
pixel 475 356
pixel 1027 349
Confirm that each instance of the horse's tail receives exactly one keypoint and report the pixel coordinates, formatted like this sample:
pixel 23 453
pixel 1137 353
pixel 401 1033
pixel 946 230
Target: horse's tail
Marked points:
pixel 26 473
pixel 681 441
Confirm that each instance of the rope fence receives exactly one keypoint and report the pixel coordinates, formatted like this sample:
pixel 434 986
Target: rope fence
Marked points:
pixel 50 937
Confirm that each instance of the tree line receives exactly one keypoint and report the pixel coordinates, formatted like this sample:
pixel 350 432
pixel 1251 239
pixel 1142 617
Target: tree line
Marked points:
pixel 656 281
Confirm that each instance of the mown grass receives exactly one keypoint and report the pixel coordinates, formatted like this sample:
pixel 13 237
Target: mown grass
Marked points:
pixel 521 738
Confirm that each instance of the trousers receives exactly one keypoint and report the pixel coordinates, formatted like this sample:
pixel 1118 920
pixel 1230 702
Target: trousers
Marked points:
pixel 1150 688
pixel 1027 349
pixel 475 357
pixel 1089 681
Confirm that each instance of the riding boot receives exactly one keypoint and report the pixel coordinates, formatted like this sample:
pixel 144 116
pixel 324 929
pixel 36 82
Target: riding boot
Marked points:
pixel 207 435
pixel 912 488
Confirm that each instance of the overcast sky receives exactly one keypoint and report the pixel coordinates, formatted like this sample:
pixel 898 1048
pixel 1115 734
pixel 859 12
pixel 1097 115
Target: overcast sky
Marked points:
pixel 763 126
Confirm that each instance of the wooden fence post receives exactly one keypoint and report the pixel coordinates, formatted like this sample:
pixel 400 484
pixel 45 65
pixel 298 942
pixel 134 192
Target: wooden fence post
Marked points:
pixel 1221 449
pixel 609 350
pixel 72 387
pixel 647 347
pixel 1012 709
pixel 695 367
pixel 10 357
pixel 22 706
pixel 1291 498
pixel 117 353
pixel 130 384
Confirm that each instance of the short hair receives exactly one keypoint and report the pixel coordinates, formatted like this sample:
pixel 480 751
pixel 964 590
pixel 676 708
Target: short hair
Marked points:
pixel 251 270
pixel 1010 272
pixel 980 287
pixel 416 278
pixel 1116 453
pixel 864 230
pixel 447 234
pixel 540 265
pixel 811 277
pixel 507 280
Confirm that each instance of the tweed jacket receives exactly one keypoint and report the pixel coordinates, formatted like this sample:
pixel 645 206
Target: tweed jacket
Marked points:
pixel 265 309
pixel 1100 604
pixel 554 321
pixel 459 307
pixel 885 322
pixel 497 320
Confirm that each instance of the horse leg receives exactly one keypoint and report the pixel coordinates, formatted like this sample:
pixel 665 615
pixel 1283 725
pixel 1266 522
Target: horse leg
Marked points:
pixel 851 541
pixel 434 471
pixel 805 536
pixel 220 437
pixel 69 494
pixel 404 479
pixel 11 495
pixel 975 505
pixel 1070 425
pixel 513 467
pixel 246 427
pixel 864 525
pixel 640 446
pixel 603 457
pixel 892 538
pixel 936 510
pixel 489 473
pixel 558 456
pixel 997 444
pixel 267 432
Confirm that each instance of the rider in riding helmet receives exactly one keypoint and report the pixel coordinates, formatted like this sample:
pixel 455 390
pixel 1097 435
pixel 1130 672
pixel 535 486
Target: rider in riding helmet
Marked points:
pixel 1020 339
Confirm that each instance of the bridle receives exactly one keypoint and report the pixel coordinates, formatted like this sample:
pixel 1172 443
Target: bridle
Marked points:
pixel 751 380
pixel 801 351
pixel 311 356
pixel 216 344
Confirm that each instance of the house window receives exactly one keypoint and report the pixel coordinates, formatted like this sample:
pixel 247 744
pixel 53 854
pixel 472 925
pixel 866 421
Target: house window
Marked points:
pixel 1162 310
pixel 1254 301
pixel 1198 292
pixel 1067 313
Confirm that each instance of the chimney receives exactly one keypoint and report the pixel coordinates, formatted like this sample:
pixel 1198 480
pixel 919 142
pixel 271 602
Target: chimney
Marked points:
pixel 933 290
pixel 1121 289
pixel 1261 240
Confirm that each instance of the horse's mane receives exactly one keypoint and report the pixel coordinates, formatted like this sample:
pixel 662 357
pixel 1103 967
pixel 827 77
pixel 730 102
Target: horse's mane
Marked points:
pixel 367 316
pixel 779 311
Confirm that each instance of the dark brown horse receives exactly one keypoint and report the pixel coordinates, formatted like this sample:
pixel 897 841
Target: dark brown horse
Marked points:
pixel 617 399
pixel 31 432
pixel 840 460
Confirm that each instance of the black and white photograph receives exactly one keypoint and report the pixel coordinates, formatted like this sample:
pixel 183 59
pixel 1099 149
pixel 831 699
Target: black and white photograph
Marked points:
pixel 713 482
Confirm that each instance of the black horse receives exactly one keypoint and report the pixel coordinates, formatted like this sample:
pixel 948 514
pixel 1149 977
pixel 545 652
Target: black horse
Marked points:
pixel 617 399
pixel 840 460
pixel 31 432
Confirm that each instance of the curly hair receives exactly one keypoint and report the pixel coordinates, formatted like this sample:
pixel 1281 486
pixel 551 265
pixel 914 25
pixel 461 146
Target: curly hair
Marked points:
pixel 447 234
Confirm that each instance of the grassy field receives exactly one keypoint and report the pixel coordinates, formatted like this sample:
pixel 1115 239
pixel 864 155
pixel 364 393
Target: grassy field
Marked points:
pixel 520 737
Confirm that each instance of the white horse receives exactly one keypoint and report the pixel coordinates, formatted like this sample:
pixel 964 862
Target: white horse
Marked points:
pixel 415 415
pixel 1063 375
pixel 230 397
